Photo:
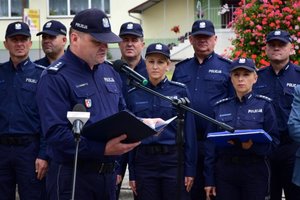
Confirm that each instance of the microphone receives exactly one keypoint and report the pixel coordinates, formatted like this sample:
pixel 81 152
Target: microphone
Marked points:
pixel 78 117
pixel 121 66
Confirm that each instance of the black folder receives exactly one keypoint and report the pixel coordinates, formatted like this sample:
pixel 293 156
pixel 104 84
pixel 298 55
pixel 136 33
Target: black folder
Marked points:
pixel 116 125
pixel 256 135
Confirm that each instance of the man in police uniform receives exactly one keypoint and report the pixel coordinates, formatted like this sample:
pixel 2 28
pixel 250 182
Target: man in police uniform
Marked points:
pixel 22 146
pixel 278 81
pixel 207 77
pixel 82 76
pixel 131 48
pixel 53 42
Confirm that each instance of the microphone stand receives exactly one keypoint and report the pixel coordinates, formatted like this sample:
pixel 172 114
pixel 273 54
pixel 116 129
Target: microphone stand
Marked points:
pixel 77 140
pixel 179 104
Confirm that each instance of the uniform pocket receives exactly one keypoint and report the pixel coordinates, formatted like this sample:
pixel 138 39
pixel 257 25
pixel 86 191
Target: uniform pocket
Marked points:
pixel 28 91
pixel 215 83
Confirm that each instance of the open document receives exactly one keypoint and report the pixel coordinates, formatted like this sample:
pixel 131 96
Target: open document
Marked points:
pixel 122 123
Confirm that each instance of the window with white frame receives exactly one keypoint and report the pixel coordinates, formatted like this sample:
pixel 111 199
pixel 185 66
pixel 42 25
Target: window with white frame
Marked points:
pixel 71 7
pixel 12 8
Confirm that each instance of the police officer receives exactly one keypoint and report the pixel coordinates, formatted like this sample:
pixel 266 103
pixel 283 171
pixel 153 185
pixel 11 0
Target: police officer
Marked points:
pixel 242 170
pixel 82 76
pixel 131 48
pixel 207 77
pixel 294 132
pixel 153 165
pixel 22 146
pixel 278 81
pixel 53 42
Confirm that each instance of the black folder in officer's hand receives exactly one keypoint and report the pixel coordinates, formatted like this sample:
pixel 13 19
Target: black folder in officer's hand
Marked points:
pixel 118 124
pixel 256 135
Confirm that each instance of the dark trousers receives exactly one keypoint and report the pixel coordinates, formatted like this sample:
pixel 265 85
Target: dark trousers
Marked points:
pixel 197 191
pixel 282 166
pixel 17 166
pixel 156 175
pixel 90 184
pixel 242 179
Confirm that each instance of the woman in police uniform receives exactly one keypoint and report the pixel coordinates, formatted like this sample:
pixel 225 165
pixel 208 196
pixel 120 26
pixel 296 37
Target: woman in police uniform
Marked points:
pixel 240 171
pixel 153 165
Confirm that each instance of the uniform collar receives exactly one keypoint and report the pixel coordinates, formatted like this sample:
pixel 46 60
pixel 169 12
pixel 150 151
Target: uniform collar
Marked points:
pixel 283 70
pixel 22 65
pixel 209 57
pixel 245 98
pixel 76 59
pixel 162 84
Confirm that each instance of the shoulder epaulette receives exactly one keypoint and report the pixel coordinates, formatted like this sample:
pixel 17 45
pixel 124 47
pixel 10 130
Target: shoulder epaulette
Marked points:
pixel 183 61
pixel 55 67
pixel 178 84
pixel 131 89
pixel 224 59
pixel 263 97
pixel 223 100
pixel 262 69
pixel 297 68
pixel 108 62
pixel 40 66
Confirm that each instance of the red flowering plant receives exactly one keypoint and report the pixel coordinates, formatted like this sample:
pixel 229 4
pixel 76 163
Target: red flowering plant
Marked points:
pixel 255 19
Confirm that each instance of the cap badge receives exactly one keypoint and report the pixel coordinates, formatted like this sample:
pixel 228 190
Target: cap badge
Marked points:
pixel 48 25
pixel 202 25
pixel 18 26
pixel 242 60
pixel 129 26
pixel 105 22
pixel 158 47
pixel 277 33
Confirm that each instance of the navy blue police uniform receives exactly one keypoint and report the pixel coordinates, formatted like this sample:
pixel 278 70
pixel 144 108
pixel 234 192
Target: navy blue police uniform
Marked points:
pixel 134 30
pixel 240 174
pixel 280 88
pixel 153 165
pixel 207 82
pixel 61 87
pixel 43 62
pixel 51 28
pixel 21 141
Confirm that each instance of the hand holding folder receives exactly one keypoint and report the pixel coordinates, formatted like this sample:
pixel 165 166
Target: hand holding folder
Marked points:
pixel 122 123
pixel 256 135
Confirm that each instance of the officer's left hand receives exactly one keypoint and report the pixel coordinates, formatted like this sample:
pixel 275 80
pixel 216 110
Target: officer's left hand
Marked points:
pixel 41 167
pixel 247 145
pixel 188 182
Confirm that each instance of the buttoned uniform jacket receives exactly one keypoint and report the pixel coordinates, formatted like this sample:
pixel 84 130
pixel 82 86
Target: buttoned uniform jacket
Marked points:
pixel 207 82
pixel 18 108
pixel 146 105
pixel 294 131
pixel 253 112
pixel 70 81
pixel 280 88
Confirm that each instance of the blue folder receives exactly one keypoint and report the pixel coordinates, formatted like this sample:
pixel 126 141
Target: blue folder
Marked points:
pixel 256 135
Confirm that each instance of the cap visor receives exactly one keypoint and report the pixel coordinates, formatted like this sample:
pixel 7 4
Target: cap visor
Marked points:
pixel 19 33
pixel 243 67
pixel 158 52
pixel 106 37
pixel 203 33
pixel 280 39
pixel 130 33
pixel 53 33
